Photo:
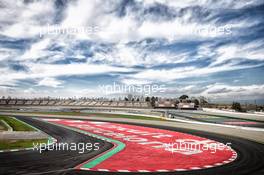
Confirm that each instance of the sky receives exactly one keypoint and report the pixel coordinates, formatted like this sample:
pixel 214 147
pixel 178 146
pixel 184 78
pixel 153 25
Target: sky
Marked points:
pixel 67 48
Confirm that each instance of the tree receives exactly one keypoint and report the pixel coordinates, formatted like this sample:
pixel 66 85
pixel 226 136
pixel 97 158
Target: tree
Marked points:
pixel 236 106
pixel 147 99
pixel 176 103
pixel 203 100
pixel 183 97
pixel 126 99
pixel 196 102
pixel 152 101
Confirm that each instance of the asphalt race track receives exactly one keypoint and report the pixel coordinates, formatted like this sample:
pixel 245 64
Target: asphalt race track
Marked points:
pixel 250 155
pixel 51 162
pixel 226 120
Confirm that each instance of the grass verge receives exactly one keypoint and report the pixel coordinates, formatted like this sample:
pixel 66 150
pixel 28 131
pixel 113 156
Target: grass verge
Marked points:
pixel 2 126
pixel 17 144
pixel 16 124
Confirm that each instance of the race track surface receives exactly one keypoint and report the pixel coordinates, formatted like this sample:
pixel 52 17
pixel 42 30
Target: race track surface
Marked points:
pixel 249 161
pixel 49 162
pixel 217 119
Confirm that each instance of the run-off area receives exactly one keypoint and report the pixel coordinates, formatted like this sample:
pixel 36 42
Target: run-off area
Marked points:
pixel 151 149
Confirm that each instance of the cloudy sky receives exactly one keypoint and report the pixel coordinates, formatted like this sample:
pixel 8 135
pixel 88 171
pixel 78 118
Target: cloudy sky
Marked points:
pixel 71 47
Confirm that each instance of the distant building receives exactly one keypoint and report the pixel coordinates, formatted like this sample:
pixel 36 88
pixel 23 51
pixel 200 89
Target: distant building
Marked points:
pixel 183 105
pixel 165 104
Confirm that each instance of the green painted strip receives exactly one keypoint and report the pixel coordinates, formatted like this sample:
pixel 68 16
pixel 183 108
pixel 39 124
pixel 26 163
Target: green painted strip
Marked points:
pixel 93 163
pixel 98 160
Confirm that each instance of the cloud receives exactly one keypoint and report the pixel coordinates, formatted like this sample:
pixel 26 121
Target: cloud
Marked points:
pixel 218 91
pixel 37 50
pixel 25 19
pixel 135 82
pixel 8 53
pixel 37 71
pixel 221 4
pixel 33 92
pixel 49 82
pixel 167 75
pixel 135 42
pixel 238 52
pixel 223 91
pixel 136 24
pixel 138 55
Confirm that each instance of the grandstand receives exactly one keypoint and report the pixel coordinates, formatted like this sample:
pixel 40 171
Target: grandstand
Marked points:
pixel 79 102
pixel 3 102
pixel 183 105
pixel 96 103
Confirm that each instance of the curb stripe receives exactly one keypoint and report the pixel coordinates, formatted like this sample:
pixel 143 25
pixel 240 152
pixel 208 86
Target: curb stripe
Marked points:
pixel 123 170
pixel 162 170
pixel 180 169
pixel 143 171
pixel 102 169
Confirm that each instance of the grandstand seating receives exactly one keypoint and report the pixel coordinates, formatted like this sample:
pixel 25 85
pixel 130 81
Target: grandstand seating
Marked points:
pixel 3 102
pixel 29 102
pixel 79 102
pixel 20 102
